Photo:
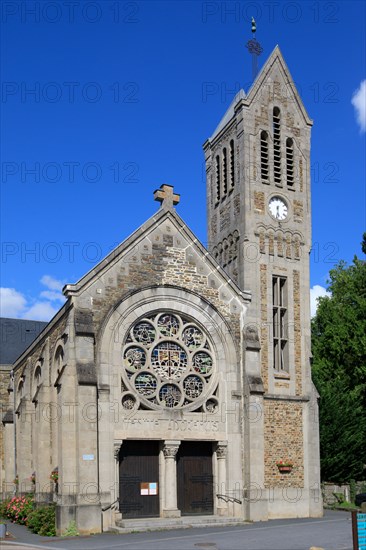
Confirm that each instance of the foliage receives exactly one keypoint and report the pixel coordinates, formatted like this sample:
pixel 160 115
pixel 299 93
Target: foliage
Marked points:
pixel 288 463
pixel 43 521
pixel 339 372
pixel 17 509
pixel 344 506
pixel 340 497
pixel 54 475
pixel 21 510
pixel 3 505
pixel 72 530
pixel 352 489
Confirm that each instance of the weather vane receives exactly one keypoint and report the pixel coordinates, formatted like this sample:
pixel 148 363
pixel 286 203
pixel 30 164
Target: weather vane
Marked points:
pixel 255 49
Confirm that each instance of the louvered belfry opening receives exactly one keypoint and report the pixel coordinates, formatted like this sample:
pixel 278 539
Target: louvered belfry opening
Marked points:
pixel 218 178
pixel 264 156
pixel 224 171
pixel 290 162
pixel 277 145
pixel 232 164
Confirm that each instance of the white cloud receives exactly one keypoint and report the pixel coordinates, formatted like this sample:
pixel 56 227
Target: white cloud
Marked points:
pixel 40 311
pixel 52 283
pixel 359 103
pixel 12 302
pixel 16 305
pixel 315 292
pixel 52 295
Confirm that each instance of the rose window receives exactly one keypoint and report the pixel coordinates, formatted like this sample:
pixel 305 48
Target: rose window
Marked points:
pixel 167 362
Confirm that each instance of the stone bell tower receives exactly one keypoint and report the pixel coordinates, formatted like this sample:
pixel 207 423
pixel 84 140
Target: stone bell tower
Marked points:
pixel 259 230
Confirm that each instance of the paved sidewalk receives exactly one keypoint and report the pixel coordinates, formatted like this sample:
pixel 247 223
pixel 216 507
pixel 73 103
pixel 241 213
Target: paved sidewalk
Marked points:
pixel 16 546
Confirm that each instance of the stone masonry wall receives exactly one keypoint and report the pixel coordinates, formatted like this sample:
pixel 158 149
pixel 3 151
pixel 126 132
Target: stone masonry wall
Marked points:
pixel 297 331
pixel 283 440
pixel 4 383
pixel 163 264
pixel 264 328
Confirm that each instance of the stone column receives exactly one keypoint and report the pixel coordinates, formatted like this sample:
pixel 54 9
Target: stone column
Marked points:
pixel 115 495
pixel 170 501
pixel 116 448
pixel 221 454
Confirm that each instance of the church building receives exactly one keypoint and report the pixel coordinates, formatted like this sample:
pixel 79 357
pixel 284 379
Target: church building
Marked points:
pixel 175 380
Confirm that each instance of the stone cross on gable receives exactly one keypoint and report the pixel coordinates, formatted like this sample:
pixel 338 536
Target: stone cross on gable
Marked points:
pixel 166 196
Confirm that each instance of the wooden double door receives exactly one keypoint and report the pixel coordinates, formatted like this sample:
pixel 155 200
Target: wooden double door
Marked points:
pixel 139 478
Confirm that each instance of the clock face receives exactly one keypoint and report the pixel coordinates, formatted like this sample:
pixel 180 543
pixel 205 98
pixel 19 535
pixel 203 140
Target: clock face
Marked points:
pixel 278 208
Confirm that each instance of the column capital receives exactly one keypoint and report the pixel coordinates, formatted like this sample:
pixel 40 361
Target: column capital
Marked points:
pixel 170 448
pixel 116 448
pixel 221 449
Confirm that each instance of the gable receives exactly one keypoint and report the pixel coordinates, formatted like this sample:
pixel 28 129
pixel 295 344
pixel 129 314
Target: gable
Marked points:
pixel 163 252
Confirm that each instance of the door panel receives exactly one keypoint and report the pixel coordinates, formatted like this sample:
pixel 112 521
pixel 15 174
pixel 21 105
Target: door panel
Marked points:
pixel 195 479
pixel 138 469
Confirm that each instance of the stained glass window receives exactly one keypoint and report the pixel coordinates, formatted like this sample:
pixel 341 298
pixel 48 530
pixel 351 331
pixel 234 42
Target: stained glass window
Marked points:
pixel 168 325
pixel 192 337
pixel 145 383
pixel 202 363
pixel 167 362
pixel 170 395
pixel 134 358
pixel 193 386
pixel 144 332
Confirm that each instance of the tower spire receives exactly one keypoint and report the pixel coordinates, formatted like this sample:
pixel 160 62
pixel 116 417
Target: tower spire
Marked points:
pixel 255 49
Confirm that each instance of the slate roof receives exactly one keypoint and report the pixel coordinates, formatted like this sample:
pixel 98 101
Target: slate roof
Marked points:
pixel 15 336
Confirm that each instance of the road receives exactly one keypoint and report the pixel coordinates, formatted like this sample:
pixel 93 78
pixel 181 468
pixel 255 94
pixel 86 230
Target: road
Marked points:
pixel 332 532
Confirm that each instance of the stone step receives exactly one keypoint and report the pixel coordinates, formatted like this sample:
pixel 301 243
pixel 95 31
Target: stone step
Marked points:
pixel 185 522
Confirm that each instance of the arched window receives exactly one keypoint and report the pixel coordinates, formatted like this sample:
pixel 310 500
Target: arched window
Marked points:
pixel 218 178
pixel 280 347
pixel 264 156
pixel 224 171
pixel 37 376
pixel 20 391
pixel 235 244
pixel 232 165
pixel 219 253
pixel 290 162
pixel 59 358
pixel 225 246
pixel 21 387
pixel 277 145
pixel 167 362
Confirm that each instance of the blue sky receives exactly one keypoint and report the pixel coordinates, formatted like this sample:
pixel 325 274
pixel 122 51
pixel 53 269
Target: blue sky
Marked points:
pixel 105 101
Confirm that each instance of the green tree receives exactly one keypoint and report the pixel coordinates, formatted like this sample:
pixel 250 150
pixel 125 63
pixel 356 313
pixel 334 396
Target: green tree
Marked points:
pixel 339 372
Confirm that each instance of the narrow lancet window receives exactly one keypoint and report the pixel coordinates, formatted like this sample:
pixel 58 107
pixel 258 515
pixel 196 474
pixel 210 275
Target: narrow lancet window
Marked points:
pixel 280 347
pixel 290 162
pixel 277 145
pixel 224 171
pixel 232 165
pixel 264 156
pixel 218 179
